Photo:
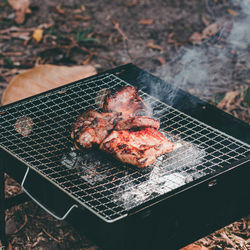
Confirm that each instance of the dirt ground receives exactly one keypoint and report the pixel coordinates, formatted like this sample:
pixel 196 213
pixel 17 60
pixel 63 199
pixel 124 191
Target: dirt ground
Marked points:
pixel 201 46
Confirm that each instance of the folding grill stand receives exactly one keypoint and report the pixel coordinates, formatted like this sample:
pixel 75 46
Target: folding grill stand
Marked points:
pixel 6 203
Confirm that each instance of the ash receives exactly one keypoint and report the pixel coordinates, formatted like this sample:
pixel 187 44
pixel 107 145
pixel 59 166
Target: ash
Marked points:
pixel 133 186
pixel 86 163
pixel 168 173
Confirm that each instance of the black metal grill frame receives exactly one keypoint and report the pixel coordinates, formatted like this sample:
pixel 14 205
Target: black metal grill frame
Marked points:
pixel 53 114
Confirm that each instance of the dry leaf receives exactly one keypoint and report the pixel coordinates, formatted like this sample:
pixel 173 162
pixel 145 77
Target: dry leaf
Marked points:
pixel 228 99
pixel 196 37
pixel 194 247
pixel 10 246
pixel 80 17
pixel 88 59
pixel 151 45
pixel 21 7
pixel 171 40
pixel 211 30
pixel 38 35
pixel 21 35
pixel 161 60
pixel 204 20
pixel 60 10
pixel 83 8
pixel 42 78
pixel 232 12
pixel 146 21
pixel 132 4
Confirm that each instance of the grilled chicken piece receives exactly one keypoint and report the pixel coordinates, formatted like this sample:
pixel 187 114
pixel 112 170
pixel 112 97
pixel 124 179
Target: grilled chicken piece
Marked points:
pixel 139 148
pixel 92 127
pixel 125 101
pixel 137 122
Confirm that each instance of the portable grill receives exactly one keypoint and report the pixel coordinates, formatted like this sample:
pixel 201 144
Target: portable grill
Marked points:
pixel 197 188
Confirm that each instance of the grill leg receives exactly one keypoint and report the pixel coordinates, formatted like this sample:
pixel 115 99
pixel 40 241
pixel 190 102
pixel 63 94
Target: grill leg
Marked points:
pixel 3 237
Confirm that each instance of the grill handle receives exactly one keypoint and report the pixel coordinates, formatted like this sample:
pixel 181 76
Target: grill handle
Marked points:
pixel 42 206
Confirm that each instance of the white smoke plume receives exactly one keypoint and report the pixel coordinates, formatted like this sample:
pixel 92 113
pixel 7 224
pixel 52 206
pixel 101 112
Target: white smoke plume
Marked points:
pixel 213 65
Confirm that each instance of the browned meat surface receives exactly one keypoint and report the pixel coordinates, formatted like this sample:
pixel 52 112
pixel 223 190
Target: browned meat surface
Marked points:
pixel 139 148
pixel 137 122
pixel 125 101
pixel 122 130
pixel 92 127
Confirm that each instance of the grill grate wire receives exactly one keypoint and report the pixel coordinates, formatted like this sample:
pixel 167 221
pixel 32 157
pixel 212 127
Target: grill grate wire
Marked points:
pixel 103 185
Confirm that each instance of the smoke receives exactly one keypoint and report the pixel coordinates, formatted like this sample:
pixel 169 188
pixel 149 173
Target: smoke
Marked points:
pixel 210 67
pixel 240 34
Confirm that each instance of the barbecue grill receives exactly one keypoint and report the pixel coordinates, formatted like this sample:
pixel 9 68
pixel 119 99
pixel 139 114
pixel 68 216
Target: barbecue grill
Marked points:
pixel 197 188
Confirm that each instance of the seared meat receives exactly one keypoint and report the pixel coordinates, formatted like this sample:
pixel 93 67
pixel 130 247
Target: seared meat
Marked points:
pixel 92 127
pixel 125 101
pixel 139 148
pixel 137 122
pixel 122 130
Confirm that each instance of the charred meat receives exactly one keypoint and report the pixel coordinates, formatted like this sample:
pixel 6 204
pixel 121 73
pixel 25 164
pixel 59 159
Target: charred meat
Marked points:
pixel 92 127
pixel 137 122
pixel 122 129
pixel 125 101
pixel 139 148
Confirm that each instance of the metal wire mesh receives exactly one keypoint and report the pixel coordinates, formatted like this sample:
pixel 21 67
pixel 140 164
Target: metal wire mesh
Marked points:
pixel 95 180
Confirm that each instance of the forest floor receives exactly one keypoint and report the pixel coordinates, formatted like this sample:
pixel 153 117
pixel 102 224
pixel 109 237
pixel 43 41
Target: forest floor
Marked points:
pixel 200 46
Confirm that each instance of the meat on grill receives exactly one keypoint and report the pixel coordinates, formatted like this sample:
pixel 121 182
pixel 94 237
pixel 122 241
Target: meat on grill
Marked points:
pixel 125 101
pixel 137 122
pixel 92 127
pixel 139 148
pixel 122 129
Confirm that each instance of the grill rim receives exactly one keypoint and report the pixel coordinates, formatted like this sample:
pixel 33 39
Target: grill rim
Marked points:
pixel 161 197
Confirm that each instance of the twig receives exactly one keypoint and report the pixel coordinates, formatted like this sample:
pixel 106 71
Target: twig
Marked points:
pixel 117 27
pixel 23 225
pixel 52 237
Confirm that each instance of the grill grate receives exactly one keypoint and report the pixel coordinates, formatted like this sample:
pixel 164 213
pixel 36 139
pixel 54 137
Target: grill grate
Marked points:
pixel 95 180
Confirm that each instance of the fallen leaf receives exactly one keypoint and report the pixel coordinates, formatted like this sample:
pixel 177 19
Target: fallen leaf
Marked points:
pixel 86 61
pixel 20 35
pixel 10 246
pixel 132 4
pixel 60 10
pixel 80 17
pixel 204 20
pixel 228 99
pixel 146 21
pixel 161 60
pixel 246 96
pixel 228 240
pixel 171 40
pixel 151 45
pixel 232 12
pixel 42 78
pixel 196 37
pixel 194 247
pixel 21 7
pixel 38 35
pixel 46 25
pixel 211 30
pixel 83 8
